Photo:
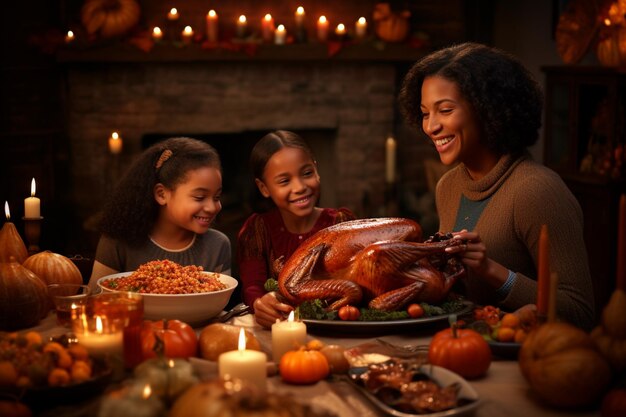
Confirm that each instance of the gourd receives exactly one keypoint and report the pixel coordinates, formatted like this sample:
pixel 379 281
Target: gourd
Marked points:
pixel 390 26
pixel 303 366
pixel 336 358
pixel 109 18
pixel 563 366
pixel 609 48
pixel 11 244
pixel 53 268
pixel 463 351
pixel 610 335
pixel 168 378
pixel 23 297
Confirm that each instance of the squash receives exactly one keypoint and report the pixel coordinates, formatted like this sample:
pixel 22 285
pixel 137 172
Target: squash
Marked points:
pixel 11 244
pixel 303 366
pixel 54 268
pixel 23 297
pixel 168 378
pixel 563 366
pixel 463 351
pixel 109 18
pixel 335 355
pixel 217 338
pixel 610 335
pixel 391 26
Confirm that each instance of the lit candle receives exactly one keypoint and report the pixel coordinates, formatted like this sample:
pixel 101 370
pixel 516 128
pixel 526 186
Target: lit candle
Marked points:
pixel 211 26
pixel 69 37
pixel 101 342
pixel 138 397
pixel 173 14
pixel 287 335
pixel 621 245
pixel 300 15
pixel 242 26
pixel 322 28
pixel 115 143
pixel 249 365
pixel 11 240
pixel 267 28
pixel 390 158
pixel 157 34
pixel 361 28
pixel 543 272
pixel 340 31
pixel 280 36
pixel 32 203
pixel 187 35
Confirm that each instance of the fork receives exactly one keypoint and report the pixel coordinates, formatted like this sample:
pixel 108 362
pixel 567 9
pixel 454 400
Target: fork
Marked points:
pixel 238 310
pixel 406 349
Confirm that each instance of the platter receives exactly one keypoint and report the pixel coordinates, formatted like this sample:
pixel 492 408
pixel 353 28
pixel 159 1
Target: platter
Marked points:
pixel 468 396
pixel 378 327
pixel 505 350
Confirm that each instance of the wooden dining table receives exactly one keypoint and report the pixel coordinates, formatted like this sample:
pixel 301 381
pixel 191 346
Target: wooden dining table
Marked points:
pixel 503 391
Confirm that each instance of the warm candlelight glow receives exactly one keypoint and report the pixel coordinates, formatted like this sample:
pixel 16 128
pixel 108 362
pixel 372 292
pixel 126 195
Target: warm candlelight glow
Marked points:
pixel 341 29
pixel 33 188
pixel 267 28
pixel 7 213
pixel 98 325
pixel 242 340
pixel 361 28
pixel 69 37
pixel 390 158
pixel 32 205
pixel 287 335
pixel 607 22
pixel 187 34
pixel 147 392
pixel 322 28
pixel 157 33
pixel 280 36
pixel 250 365
pixel 211 26
pixel 242 19
pixel 115 143
pixel 242 24
pixel 171 363
pixel 212 13
pixel 300 17
pixel 173 14
pixel 291 318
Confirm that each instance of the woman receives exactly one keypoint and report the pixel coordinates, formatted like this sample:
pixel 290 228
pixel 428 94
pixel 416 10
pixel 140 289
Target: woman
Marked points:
pixel 482 110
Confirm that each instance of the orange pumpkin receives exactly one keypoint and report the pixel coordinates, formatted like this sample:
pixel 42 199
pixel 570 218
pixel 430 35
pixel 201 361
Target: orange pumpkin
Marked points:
pixel 109 18
pixel 53 268
pixel 23 297
pixel 11 244
pixel 611 47
pixel 463 351
pixel 303 366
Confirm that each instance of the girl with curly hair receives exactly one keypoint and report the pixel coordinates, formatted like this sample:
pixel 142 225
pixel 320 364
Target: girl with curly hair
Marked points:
pixel 163 208
pixel 481 108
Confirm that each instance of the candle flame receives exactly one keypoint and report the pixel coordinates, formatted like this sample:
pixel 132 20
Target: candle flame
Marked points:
pixel 341 27
pixel 322 19
pixel 607 22
pixel 291 317
pixel 242 19
pixel 173 11
pixel 33 188
pixel 362 20
pixel 242 340
pixel 147 392
pixel 268 17
pixel 212 13
pixel 99 325
pixel 6 210
pixel 115 135
pixel 300 10
pixel 280 28
pixel 157 32
pixel 171 363
pixel 70 34
pixel 188 30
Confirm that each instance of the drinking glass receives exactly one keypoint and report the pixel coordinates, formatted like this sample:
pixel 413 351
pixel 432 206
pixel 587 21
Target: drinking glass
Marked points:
pixel 64 297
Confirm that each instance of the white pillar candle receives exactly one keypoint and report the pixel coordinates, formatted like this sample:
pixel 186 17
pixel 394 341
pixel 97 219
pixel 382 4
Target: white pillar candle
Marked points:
pixel 211 26
pixel 242 26
pixel 280 35
pixel 115 143
pixel 244 364
pixel 32 205
pixel 287 335
pixel 187 35
pixel 99 342
pixel 322 28
pixel 173 14
pixel 390 157
pixel 361 28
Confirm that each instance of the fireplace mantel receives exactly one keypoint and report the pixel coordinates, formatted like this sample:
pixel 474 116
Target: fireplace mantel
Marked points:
pixel 366 52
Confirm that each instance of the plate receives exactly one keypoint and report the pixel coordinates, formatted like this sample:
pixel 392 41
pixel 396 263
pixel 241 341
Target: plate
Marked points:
pixel 505 350
pixel 444 378
pixel 384 326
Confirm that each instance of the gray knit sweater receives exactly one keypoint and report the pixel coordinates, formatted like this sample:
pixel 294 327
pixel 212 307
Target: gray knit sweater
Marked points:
pixel 524 195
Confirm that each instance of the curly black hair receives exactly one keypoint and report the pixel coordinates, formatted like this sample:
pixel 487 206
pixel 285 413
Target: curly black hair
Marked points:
pixel 504 95
pixel 132 210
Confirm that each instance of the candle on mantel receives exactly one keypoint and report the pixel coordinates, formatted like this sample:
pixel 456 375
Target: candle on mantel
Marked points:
pixel 242 26
pixel 187 35
pixel 322 29
pixel 361 28
pixel 211 26
pixel 32 204
pixel 300 16
pixel 267 28
pixel 69 37
pixel 115 143
pixel 340 30
pixel 245 364
pixel 543 272
pixel 173 14
pixel 157 34
pixel 11 239
pixel 390 160
pixel 621 245
pixel 280 36
pixel 287 335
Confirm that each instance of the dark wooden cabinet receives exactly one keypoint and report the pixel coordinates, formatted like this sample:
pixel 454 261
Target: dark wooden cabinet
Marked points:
pixel 584 140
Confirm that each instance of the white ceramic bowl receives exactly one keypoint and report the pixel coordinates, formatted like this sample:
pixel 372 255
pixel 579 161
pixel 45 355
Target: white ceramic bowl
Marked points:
pixel 190 308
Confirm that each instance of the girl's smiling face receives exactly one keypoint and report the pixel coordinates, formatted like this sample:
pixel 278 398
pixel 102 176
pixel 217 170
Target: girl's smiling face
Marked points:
pixel 291 180
pixel 193 204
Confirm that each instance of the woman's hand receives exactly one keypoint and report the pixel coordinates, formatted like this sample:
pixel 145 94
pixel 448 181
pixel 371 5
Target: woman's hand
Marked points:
pixel 268 309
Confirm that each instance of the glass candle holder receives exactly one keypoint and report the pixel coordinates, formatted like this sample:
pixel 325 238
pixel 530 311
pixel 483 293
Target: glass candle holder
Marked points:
pixel 64 298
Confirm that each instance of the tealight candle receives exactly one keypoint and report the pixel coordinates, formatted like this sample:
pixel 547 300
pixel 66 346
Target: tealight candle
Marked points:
pixel 211 26
pixel 101 341
pixel 173 14
pixel 280 35
pixel 187 34
pixel 157 34
pixel 390 157
pixel 267 28
pixel 361 28
pixel 287 335
pixel 69 37
pixel 115 143
pixel 322 28
pixel 32 204
pixel 248 365
pixel 242 26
